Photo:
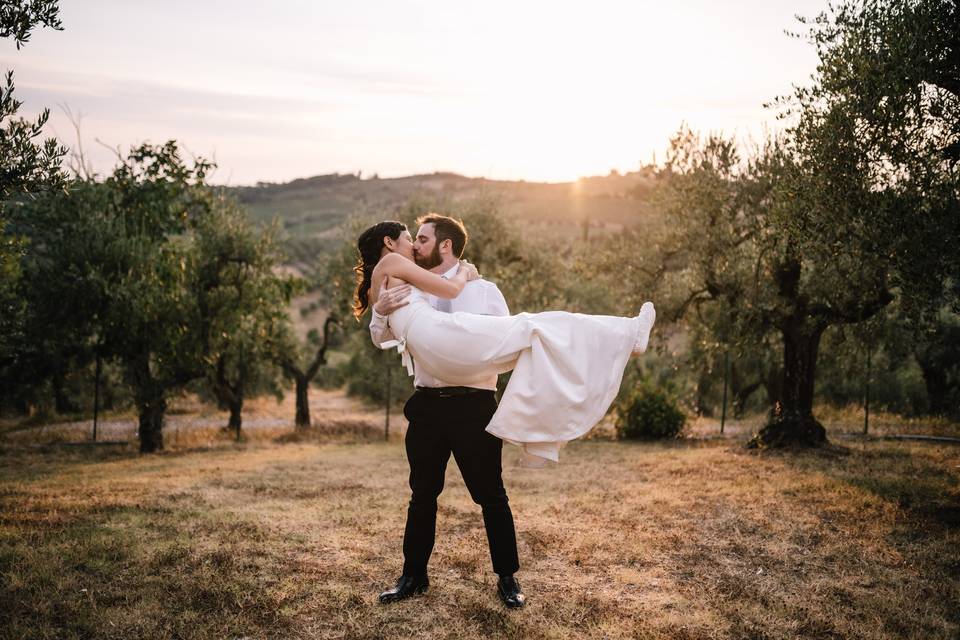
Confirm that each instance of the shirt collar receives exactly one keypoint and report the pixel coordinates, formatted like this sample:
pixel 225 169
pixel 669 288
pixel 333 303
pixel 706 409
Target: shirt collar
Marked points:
pixel 452 271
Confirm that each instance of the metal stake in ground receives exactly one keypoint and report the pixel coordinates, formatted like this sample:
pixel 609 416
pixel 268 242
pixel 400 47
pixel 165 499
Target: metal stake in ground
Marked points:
pixel 726 376
pixel 866 395
pixel 96 394
pixel 386 427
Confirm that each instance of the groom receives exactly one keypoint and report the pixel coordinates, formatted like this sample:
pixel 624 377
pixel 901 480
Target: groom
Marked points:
pixel 445 419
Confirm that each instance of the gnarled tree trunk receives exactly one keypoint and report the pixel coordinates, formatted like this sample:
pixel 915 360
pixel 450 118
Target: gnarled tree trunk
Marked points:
pixel 303 401
pixel 152 406
pixel 230 395
pixel 236 412
pixel 302 377
pixel 150 396
pixel 792 421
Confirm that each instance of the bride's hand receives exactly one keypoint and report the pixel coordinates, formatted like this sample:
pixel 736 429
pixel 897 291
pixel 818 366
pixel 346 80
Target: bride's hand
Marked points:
pixel 470 270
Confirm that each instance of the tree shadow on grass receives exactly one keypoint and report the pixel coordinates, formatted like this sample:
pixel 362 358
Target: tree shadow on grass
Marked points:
pixel 144 571
pixel 921 480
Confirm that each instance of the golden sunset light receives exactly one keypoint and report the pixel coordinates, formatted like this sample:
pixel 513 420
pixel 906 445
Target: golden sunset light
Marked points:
pixel 432 319
pixel 535 91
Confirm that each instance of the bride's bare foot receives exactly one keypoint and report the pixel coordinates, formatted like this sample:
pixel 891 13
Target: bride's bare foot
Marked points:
pixel 648 316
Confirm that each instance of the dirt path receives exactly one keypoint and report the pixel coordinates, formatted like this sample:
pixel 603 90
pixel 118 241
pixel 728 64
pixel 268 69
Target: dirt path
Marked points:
pixel 190 422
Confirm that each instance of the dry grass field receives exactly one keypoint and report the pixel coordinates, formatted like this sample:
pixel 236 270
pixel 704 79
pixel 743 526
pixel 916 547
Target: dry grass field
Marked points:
pixel 286 536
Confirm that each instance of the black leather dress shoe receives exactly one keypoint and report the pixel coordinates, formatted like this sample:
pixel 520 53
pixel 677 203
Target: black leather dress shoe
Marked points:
pixel 509 591
pixel 406 587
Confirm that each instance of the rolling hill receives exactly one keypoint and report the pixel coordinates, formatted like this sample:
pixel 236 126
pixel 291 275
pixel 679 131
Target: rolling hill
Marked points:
pixel 314 207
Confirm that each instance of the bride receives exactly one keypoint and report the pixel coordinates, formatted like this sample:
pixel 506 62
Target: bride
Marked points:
pixel 567 367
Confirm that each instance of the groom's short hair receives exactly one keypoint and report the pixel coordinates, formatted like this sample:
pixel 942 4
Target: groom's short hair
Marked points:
pixel 447 228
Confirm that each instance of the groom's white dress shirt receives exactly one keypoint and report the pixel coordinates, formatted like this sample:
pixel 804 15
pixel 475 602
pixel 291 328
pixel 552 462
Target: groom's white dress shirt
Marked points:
pixel 478 296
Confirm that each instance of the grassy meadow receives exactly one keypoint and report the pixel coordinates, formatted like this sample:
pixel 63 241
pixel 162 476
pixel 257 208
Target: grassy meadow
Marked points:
pixel 810 259
pixel 287 536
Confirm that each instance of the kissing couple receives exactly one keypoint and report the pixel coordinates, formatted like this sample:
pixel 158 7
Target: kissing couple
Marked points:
pixel 455 334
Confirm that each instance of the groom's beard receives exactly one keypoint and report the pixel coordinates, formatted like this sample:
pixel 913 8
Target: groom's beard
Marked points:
pixel 430 261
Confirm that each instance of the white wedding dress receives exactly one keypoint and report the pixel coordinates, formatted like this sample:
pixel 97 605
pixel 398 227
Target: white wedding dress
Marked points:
pixel 567 367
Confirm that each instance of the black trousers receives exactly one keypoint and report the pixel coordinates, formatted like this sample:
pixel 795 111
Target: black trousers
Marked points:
pixel 438 427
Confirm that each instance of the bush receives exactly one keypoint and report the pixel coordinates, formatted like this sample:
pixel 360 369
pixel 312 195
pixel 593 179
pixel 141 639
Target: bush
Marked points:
pixel 649 414
pixel 363 368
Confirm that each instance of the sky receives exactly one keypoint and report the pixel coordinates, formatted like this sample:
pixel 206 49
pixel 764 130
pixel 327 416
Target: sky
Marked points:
pixel 541 91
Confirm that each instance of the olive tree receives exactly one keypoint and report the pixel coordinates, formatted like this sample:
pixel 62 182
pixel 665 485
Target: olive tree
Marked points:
pixel 853 206
pixel 28 165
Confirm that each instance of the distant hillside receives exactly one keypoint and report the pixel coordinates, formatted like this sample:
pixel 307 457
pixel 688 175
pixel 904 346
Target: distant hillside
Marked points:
pixel 314 207
pixel 311 210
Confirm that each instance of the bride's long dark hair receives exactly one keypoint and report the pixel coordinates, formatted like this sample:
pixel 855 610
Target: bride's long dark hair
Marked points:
pixel 370 245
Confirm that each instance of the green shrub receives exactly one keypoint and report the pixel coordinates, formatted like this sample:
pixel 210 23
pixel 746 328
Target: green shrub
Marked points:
pixel 363 368
pixel 649 414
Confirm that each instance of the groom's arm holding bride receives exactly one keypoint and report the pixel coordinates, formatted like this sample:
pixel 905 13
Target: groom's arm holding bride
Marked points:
pixel 388 301
pixel 479 296
pixel 412 274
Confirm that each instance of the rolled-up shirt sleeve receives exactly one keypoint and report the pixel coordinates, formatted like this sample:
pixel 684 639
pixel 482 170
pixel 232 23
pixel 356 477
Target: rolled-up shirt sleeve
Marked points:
pixel 380 329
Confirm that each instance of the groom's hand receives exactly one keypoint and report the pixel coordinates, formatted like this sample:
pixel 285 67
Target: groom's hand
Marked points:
pixel 390 300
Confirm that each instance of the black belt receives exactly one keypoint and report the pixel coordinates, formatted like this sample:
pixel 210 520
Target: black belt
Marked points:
pixel 449 392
